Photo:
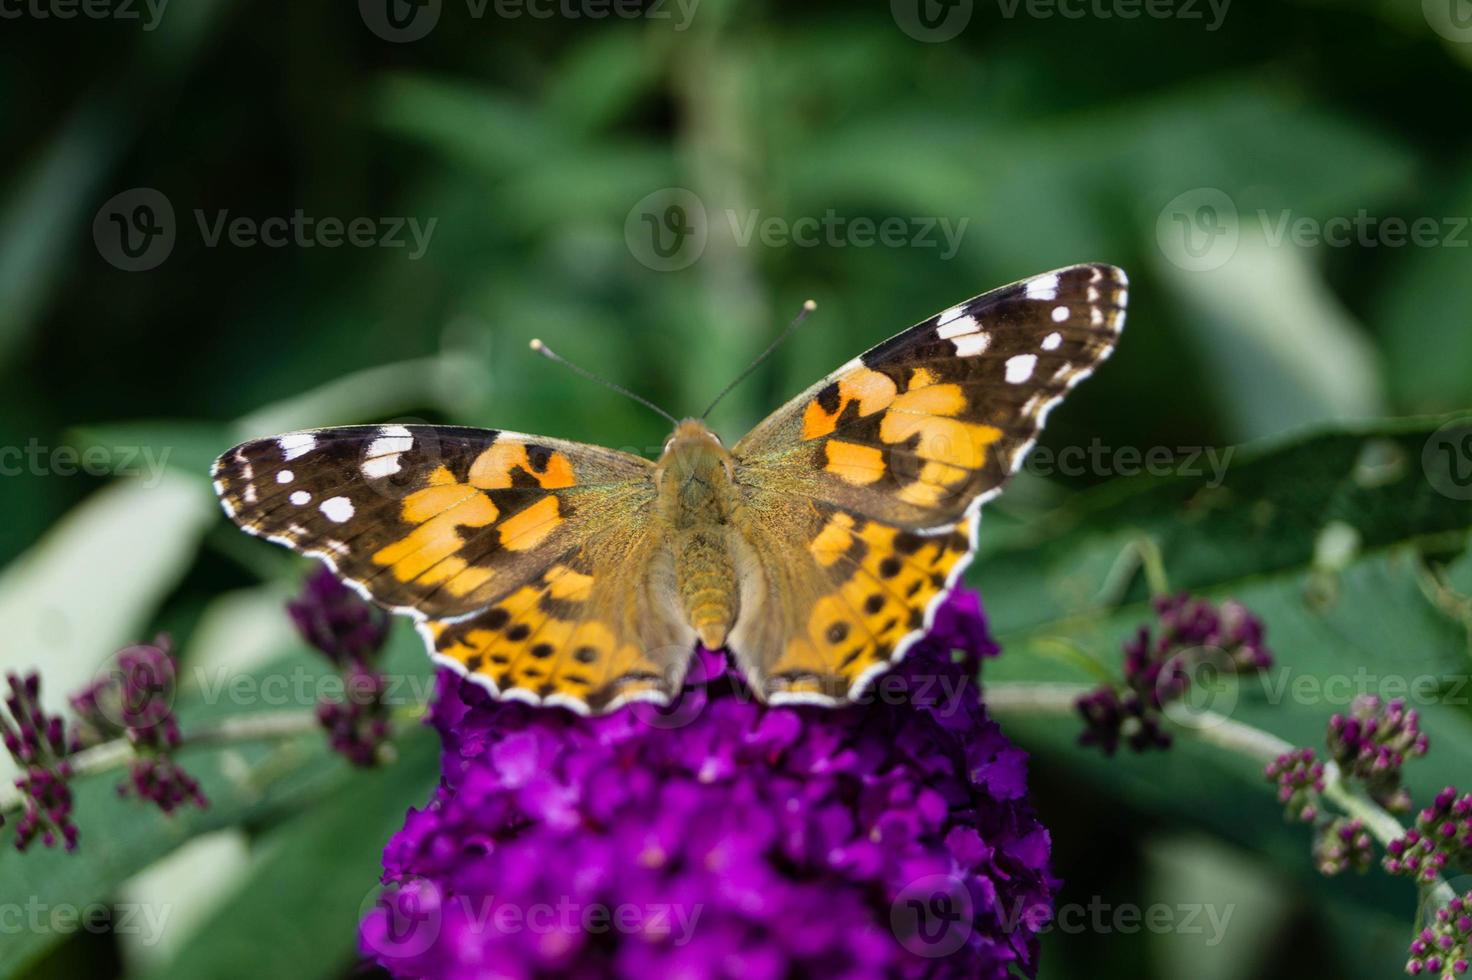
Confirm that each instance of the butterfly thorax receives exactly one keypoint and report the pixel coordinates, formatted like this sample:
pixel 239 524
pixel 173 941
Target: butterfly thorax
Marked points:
pixel 697 498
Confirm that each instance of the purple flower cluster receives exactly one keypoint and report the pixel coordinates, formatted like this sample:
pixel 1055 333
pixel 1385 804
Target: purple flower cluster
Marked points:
pixel 1444 948
pixel 1373 742
pixel 1300 778
pixel 1442 836
pixel 1158 667
pixel 351 632
pixel 1343 844
pixel 135 700
pixel 721 837
pixel 37 742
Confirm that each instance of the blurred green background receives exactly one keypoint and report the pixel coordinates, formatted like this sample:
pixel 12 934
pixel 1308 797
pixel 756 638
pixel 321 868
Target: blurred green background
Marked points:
pixel 590 181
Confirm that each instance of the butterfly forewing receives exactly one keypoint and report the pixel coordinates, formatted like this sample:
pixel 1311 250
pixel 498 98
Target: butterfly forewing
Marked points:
pixel 901 445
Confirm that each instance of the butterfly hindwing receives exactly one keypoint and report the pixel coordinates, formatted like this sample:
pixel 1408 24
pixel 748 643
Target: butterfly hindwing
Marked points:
pixel 880 470
pixel 500 545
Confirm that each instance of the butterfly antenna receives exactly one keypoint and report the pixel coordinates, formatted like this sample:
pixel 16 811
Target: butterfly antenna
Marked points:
pixel 807 307
pixel 550 355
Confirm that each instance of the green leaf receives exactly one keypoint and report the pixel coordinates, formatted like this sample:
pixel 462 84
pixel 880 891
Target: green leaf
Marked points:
pixel 1331 539
pixel 309 892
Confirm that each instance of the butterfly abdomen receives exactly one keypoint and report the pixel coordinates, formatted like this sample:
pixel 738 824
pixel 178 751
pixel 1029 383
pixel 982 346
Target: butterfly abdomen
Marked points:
pixel 697 498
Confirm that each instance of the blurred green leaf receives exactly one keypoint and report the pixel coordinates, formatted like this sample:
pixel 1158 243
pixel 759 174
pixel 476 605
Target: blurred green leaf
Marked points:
pixel 1341 622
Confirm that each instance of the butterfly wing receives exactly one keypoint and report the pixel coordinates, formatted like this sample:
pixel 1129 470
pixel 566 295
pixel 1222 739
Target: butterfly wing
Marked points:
pixel 511 552
pixel 881 468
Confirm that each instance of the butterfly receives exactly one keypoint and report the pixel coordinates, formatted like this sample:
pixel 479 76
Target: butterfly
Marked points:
pixel 816 550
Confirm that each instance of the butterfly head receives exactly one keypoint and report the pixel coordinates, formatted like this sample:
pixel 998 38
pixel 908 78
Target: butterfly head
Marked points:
pixel 693 451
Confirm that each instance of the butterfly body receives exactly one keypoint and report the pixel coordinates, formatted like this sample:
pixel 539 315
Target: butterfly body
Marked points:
pixel 700 508
pixel 816 549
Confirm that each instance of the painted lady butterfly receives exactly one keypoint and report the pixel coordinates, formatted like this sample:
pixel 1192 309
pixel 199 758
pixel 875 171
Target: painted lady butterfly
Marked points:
pixel 816 549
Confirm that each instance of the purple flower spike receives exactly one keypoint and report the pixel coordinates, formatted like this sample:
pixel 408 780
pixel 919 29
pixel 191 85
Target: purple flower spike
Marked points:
pixel 1443 949
pixel 37 743
pixel 1373 742
pixel 134 699
pixel 351 632
pixel 1442 837
pixel 1158 669
pixel 889 838
pixel 1300 778
pixel 1343 844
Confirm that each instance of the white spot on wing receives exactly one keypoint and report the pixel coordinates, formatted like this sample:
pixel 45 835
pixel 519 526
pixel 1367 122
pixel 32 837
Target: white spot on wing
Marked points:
pixel 1052 341
pixel 1043 287
pixel 1019 368
pixel 1060 313
pixel 948 316
pixel 296 444
pixel 285 476
pixel 972 344
pixel 382 466
pixel 382 457
pixel 958 328
pixel 337 509
pixel 301 498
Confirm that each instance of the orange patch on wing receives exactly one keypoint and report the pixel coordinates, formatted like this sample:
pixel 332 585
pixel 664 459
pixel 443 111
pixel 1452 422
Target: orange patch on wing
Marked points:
pixel 872 391
pixel 439 511
pixel 492 469
pixel 565 583
pixel 833 540
pixel 944 440
pixel 853 463
pixel 922 377
pixel 529 527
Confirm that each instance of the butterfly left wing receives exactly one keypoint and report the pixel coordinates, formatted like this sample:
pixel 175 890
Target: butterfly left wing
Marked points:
pixel 527 562
pixel 863 493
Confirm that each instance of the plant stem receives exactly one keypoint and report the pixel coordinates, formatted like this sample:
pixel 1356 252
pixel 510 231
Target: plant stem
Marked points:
pixel 262 727
pixel 1207 726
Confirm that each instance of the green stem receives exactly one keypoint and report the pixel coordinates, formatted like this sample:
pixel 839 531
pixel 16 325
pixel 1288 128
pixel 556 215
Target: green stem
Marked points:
pixel 1024 700
pixel 263 727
